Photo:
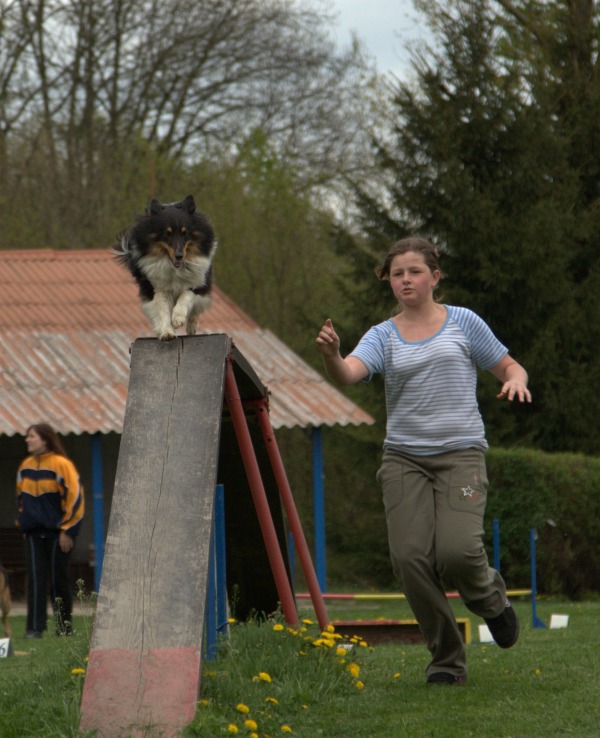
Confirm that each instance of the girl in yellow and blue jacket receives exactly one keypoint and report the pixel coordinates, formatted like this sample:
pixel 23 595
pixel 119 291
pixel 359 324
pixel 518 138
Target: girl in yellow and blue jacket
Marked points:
pixel 50 509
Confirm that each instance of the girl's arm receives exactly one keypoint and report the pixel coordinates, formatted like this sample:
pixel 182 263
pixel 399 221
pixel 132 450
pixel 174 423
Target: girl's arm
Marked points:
pixel 514 379
pixel 343 371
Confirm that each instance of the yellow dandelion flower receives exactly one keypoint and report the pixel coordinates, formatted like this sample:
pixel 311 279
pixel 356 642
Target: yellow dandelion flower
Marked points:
pixel 86 659
pixel 242 708
pixel 354 669
pixel 272 700
pixel 396 675
pixel 307 621
pixel 278 626
pixel 231 621
pixel 359 684
pixel 305 707
pixel 231 728
pixel 329 628
pixel 251 724
pixel 77 671
pixel 253 735
pixel 263 676
pixel 340 651
pixel 203 702
pixel 537 672
pixel 364 644
pixel 286 729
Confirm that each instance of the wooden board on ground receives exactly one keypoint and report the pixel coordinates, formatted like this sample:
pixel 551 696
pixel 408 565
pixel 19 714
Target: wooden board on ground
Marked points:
pixel 144 667
pixel 392 631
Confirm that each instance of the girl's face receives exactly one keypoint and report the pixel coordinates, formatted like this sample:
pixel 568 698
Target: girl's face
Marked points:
pixel 34 442
pixel 411 279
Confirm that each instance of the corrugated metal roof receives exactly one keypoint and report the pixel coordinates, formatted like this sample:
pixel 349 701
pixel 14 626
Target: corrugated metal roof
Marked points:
pixel 67 320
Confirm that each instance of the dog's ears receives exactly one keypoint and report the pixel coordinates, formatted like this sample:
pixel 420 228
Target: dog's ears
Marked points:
pixel 154 208
pixel 189 205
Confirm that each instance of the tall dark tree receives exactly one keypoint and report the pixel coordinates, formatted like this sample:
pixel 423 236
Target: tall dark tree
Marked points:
pixel 494 156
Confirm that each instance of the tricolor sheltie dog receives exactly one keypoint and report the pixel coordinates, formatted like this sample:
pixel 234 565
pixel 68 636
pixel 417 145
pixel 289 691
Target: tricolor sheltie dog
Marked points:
pixel 169 252
pixel 5 600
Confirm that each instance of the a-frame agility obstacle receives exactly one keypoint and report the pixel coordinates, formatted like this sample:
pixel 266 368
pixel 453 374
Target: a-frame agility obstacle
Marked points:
pixel 196 416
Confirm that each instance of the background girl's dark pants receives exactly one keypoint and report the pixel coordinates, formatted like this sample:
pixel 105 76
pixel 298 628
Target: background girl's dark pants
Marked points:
pixel 47 564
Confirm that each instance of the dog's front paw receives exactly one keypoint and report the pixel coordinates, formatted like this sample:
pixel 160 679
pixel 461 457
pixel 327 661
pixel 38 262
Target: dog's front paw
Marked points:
pixel 166 336
pixel 179 317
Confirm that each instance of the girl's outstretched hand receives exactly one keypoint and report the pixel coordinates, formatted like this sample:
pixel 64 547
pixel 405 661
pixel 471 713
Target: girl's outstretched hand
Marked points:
pixel 328 341
pixel 514 389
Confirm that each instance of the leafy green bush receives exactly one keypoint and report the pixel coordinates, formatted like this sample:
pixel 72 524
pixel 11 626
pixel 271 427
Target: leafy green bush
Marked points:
pixel 557 495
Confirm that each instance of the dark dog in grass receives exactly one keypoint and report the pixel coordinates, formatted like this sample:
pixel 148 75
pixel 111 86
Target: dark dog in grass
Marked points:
pixel 5 600
pixel 169 252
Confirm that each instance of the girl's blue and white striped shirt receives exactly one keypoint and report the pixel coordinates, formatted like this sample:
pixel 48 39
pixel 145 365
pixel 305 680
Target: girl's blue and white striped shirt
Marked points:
pixel 430 385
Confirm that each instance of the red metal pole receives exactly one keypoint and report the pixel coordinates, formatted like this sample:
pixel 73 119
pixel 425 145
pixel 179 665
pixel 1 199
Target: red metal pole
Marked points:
pixel 259 496
pixel 292 513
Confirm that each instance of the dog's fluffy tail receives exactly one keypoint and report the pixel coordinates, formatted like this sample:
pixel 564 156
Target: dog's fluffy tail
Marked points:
pixel 122 250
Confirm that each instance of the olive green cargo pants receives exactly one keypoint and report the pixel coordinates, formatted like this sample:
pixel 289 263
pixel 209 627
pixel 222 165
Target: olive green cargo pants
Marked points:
pixel 434 509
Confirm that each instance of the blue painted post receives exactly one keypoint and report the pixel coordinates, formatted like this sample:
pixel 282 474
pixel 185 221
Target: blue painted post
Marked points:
pixel 319 507
pixel 292 556
pixel 535 621
pixel 221 559
pixel 216 619
pixel 98 507
pixel 496 524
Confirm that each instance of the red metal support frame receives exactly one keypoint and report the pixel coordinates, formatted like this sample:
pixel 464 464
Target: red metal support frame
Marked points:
pixel 259 496
pixel 287 498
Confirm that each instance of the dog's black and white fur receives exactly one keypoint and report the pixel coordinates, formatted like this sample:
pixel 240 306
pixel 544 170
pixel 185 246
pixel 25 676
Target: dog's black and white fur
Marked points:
pixel 169 252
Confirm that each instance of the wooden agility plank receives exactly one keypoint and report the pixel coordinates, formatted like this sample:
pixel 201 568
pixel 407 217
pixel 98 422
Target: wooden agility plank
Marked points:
pixel 143 673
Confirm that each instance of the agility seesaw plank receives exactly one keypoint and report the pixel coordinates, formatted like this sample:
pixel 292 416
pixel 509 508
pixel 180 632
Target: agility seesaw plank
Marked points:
pixel 143 672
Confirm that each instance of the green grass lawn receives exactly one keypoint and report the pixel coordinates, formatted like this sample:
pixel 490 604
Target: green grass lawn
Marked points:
pixel 293 683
